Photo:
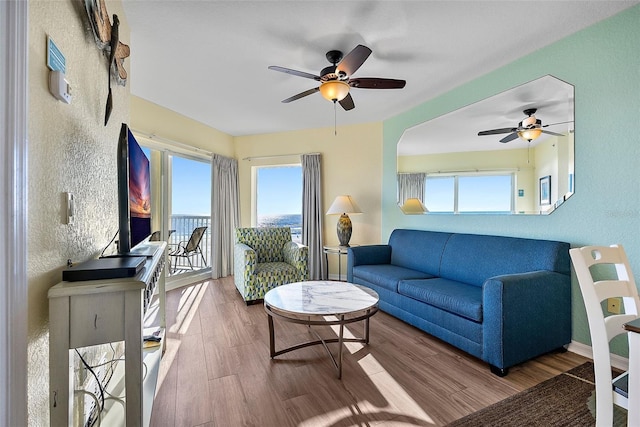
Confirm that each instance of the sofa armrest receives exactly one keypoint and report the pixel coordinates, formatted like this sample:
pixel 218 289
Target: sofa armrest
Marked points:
pixel 367 255
pixel 525 315
pixel 297 255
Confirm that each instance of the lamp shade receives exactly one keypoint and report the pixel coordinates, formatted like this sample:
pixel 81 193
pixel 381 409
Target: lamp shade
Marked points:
pixel 334 90
pixel 413 206
pixel 343 204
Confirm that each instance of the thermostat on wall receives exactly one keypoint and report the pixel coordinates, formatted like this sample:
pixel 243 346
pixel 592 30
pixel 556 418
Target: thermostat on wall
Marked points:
pixel 59 86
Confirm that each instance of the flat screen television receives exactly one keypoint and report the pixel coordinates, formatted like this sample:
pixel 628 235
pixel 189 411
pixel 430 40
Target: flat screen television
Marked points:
pixel 134 193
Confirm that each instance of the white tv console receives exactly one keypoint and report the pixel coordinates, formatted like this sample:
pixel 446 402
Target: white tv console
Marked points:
pixel 87 313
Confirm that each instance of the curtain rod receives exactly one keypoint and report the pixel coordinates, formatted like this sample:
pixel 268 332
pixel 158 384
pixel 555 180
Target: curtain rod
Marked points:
pixel 275 156
pixel 156 138
pixel 517 169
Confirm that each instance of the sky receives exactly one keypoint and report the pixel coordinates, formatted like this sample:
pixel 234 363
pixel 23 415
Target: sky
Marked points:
pixel 191 187
pixel 279 190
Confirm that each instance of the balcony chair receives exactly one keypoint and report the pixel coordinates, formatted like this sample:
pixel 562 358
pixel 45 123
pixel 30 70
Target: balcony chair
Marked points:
pixel 266 257
pixel 188 248
pixel 155 236
pixel 603 272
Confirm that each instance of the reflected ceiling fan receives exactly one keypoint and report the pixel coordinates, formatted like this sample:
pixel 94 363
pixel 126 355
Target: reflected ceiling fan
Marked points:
pixel 528 129
pixel 336 80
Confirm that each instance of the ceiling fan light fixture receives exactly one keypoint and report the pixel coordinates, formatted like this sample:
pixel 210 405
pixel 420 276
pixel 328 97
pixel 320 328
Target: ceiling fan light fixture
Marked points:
pixel 334 90
pixel 530 134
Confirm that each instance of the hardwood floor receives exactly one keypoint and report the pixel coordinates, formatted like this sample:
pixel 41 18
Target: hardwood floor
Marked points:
pixel 217 372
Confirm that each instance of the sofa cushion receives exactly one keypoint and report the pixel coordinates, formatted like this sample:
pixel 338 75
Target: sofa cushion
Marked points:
pixel 387 275
pixel 279 270
pixel 418 250
pixel 473 259
pixel 455 297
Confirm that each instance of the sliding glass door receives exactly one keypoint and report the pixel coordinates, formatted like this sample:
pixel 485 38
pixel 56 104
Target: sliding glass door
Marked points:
pixel 181 206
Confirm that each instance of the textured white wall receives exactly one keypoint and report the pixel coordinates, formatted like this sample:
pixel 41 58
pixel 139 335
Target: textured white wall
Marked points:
pixel 70 149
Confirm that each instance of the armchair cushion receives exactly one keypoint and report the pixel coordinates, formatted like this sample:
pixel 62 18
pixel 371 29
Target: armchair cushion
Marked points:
pixel 266 257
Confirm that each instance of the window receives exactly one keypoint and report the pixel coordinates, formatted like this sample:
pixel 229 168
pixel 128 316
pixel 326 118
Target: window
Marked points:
pixel 278 195
pixel 458 193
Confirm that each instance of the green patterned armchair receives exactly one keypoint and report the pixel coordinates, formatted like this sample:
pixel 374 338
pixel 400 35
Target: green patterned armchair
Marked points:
pixel 264 258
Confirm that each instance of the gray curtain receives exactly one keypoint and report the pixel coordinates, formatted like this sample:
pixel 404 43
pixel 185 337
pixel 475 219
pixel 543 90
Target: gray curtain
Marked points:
pixel 312 214
pixel 225 214
pixel 411 185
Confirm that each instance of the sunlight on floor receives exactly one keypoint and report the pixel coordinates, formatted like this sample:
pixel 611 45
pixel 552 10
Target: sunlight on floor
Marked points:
pixel 190 299
pixel 399 401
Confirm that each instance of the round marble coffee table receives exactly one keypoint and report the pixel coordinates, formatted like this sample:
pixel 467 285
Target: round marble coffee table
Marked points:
pixel 325 303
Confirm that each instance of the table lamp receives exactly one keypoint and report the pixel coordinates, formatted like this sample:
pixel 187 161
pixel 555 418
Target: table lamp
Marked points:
pixel 344 205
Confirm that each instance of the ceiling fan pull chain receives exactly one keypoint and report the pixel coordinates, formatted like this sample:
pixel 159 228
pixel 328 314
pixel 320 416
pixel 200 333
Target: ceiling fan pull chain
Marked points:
pixel 335 119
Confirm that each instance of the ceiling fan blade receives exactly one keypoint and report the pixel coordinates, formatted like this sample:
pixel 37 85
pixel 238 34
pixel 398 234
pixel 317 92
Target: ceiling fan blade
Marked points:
pixel 376 83
pixel 509 137
pixel 353 60
pixel 347 103
pixel 294 72
pixel 496 131
pixel 301 95
pixel 559 123
pixel 548 132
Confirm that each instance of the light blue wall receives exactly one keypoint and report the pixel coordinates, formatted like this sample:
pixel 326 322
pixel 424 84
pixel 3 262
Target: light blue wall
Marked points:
pixel 603 63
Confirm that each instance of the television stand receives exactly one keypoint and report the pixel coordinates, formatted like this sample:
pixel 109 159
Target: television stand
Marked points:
pixel 87 313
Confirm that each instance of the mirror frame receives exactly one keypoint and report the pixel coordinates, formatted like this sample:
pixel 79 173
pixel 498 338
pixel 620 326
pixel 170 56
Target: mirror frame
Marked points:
pixel 543 169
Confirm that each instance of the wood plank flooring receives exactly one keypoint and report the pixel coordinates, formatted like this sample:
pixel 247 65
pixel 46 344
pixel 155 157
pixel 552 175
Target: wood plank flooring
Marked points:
pixel 217 372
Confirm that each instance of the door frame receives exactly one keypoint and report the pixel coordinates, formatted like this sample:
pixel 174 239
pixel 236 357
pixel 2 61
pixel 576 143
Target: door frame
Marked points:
pixel 14 49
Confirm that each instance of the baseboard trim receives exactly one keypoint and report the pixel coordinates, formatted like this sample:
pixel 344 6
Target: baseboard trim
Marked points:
pixel 586 351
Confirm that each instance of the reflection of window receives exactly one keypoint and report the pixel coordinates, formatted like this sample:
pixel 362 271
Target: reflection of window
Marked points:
pixel 480 193
pixel 439 194
pixel 279 198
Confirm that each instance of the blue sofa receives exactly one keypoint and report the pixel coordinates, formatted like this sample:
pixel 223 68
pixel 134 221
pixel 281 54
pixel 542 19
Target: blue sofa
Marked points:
pixel 504 300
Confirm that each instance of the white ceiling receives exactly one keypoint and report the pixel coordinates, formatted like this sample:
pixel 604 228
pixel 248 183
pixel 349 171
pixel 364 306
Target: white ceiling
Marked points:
pixel 208 60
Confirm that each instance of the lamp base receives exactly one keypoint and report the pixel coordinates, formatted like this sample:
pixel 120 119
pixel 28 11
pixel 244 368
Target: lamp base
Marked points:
pixel 344 229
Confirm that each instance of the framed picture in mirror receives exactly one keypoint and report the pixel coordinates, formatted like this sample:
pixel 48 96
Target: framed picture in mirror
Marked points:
pixel 545 190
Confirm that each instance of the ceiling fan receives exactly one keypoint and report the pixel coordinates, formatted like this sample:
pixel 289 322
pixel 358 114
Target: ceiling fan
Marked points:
pixel 336 80
pixel 528 129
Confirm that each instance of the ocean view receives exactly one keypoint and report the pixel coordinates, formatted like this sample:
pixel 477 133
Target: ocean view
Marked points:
pixel 184 224
pixel 293 221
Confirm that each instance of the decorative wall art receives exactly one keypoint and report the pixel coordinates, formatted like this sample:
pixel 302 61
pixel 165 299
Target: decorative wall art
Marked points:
pixel 545 190
pixel 106 35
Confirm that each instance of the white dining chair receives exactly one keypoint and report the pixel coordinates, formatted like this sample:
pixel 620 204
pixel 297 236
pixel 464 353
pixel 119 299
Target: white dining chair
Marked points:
pixel 603 272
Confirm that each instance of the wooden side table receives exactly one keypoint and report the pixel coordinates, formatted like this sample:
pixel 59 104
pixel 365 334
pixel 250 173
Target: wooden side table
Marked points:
pixel 337 250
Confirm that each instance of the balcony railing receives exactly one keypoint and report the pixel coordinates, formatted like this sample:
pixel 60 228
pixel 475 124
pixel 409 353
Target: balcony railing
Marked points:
pixel 183 226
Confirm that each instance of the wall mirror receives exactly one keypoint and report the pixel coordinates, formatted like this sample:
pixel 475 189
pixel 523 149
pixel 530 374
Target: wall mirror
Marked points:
pixel 521 163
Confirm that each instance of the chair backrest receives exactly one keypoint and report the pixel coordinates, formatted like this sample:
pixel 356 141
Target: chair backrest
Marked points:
pixel 195 238
pixel 603 272
pixel 155 236
pixel 268 242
